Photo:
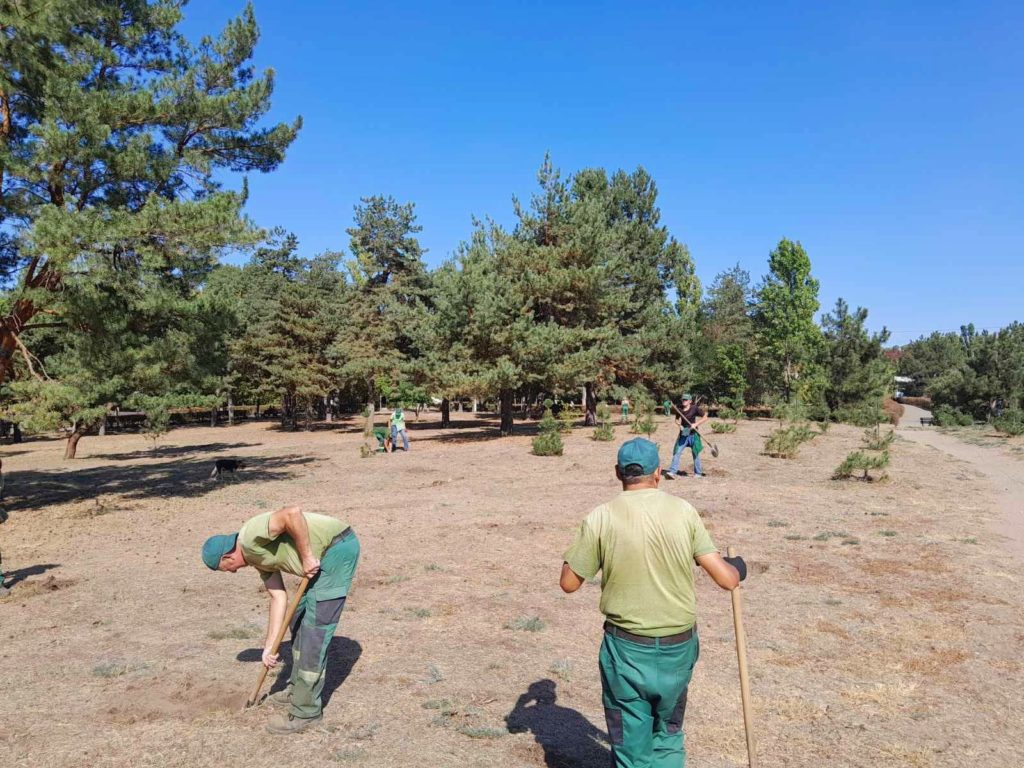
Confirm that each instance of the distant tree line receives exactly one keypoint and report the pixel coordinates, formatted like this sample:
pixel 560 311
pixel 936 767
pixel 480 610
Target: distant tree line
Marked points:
pixel 115 136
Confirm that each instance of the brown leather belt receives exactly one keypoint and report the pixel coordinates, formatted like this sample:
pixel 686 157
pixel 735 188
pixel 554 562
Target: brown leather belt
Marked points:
pixel 615 631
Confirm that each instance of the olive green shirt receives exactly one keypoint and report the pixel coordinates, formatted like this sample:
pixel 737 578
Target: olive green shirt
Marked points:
pixel 644 542
pixel 270 555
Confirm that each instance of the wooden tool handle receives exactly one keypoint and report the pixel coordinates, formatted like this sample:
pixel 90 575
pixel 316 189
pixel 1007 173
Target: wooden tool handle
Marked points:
pixel 292 606
pixel 741 659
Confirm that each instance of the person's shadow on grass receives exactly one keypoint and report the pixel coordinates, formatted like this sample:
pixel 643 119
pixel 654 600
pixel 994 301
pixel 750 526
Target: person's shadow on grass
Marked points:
pixel 342 655
pixel 569 740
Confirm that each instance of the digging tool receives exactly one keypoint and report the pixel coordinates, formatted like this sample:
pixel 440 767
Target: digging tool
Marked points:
pixel 741 658
pixel 712 446
pixel 299 592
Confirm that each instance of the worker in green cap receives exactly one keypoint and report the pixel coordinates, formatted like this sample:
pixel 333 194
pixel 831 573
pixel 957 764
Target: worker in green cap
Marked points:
pixel 644 543
pixel 689 419
pixel 324 550
pixel 398 428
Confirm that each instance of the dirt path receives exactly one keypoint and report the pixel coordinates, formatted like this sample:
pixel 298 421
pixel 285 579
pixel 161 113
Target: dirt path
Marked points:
pixel 1003 471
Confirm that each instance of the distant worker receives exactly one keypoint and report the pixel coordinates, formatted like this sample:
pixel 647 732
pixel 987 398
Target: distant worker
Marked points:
pixel 689 419
pixel 384 444
pixel 398 428
pixel 644 542
pixel 319 547
pixel 625 411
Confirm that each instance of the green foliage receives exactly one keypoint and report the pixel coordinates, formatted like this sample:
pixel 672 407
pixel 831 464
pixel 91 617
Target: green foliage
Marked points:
pixel 784 443
pixel 722 427
pixel 789 342
pixel 1010 422
pixel 734 414
pixel 857 373
pixel 860 461
pixel 875 440
pixel 549 441
pixel 643 420
pixel 946 416
pixel 605 430
pixel 861 414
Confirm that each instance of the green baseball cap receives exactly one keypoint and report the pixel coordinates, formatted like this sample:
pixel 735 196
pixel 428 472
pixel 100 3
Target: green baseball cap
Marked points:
pixel 640 452
pixel 216 547
pixel 687 396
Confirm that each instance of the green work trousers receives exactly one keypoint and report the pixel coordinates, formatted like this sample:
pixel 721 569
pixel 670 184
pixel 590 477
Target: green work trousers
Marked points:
pixel 644 694
pixel 313 625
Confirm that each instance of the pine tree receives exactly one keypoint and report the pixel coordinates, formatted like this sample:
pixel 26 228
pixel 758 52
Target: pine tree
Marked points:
pixel 114 133
pixel 857 371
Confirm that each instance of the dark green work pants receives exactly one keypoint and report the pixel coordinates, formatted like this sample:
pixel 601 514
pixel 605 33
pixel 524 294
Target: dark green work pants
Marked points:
pixel 644 694
pixel 313 625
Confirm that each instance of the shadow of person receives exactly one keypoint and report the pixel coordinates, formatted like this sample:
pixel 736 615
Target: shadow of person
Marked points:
pixel 20 574
pixel 342 655
pixel 569 740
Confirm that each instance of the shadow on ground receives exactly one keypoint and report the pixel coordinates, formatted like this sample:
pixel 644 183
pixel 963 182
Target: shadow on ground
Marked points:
pixel 189 478
pixel 20 574
pixel 342 655
pixel 569 740
pixel 173 451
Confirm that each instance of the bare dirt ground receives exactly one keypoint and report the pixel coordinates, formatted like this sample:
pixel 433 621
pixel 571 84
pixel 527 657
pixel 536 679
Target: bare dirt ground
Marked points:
pixel 884 619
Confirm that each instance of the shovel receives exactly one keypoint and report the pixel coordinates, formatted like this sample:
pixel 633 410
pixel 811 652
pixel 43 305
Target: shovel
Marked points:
pixel 292 606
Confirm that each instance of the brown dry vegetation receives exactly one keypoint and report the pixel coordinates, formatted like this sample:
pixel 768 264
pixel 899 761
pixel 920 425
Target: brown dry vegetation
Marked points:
pixel 866 648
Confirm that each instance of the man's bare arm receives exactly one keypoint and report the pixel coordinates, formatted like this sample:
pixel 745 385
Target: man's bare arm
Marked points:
pixel 570 581
pixel 290 520
pixel 278 606
pixel 723 574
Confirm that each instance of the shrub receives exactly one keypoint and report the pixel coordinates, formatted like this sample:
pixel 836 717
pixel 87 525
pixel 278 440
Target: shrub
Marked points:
pixel 722 427
pixel 566 418
pixel 527 624
pixel 823 426
pixel 785 443
pixel 946 416
pixel 549 441
pixel 604 432
pixel 794 411
pixel 874 440
pixel 731 413
pixel 861 414
pixel 1010 423
pixel 859 461
pixel 893 409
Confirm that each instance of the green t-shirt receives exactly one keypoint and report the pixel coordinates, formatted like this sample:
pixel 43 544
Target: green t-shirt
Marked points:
pixel 644 543
pixel 269 555
pixel 398 421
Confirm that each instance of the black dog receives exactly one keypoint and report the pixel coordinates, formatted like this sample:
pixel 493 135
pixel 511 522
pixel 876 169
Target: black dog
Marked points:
pixel 226 465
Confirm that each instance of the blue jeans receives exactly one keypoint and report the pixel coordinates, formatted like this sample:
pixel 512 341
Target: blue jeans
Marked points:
pixel 395 432
pixel 677 454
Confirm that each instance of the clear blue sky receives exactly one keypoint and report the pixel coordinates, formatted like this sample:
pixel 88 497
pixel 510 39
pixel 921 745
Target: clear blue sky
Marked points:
pixel 887 137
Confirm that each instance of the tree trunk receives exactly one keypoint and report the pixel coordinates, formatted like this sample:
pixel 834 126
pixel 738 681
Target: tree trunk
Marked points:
pixel 17 432
pixel 103 427
pixel 257 410
pixel 231 410
pixel 506 412
pixel 371 409
pixel 328 411
pixel 213 415
pixel 590 406
pixel 475 405
pixel 309 416
pixel 446 413
pixel 72 444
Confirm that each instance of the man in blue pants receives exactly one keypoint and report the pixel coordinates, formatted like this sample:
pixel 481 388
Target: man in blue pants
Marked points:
pixel 688 420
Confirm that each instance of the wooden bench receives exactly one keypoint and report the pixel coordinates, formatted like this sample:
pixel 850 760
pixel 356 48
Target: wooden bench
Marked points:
pixel 927 421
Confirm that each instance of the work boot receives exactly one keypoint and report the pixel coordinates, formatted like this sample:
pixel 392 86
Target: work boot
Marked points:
pixel 668 475
pixel 282 699
pixel 289 723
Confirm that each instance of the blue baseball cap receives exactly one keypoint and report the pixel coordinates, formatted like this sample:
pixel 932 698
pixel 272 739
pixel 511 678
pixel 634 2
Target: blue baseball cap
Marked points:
pixel 640 452
pixel 216 547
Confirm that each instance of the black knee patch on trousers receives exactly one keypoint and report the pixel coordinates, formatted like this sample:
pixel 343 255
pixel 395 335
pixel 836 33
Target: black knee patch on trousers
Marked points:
pixel 613 717
pixel 329 611
pixel 675 722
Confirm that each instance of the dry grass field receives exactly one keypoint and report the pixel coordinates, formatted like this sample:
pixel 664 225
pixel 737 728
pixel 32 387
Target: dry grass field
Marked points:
pixel 884 619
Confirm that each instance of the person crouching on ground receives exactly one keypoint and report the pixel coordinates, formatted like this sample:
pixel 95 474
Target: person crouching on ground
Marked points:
pixel 644 543
pixel 319 547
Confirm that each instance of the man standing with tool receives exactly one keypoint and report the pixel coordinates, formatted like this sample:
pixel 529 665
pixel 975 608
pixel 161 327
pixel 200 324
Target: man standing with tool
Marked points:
pixel 317 547
pixel 688 419
pixel 644 542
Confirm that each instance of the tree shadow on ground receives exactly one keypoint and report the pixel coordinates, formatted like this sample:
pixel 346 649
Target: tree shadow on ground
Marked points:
pixel 569 740
pixel 20 574
pixel 30 489
pixel 170 451
pixel 342 655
